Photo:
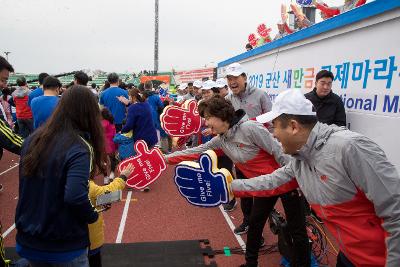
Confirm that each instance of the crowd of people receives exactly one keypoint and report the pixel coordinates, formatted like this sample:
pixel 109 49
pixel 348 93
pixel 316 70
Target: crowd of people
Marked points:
pixel 300 18
pixel 68 135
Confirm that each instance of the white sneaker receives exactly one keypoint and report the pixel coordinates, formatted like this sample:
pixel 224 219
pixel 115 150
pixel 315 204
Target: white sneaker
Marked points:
pixel 106 180
pixel 1 187
pixel 146 189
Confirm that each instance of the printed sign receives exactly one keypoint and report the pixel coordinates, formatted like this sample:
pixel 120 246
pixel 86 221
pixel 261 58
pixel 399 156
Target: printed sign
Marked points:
pixel 148 165
pixel 181 121
pixel 203 184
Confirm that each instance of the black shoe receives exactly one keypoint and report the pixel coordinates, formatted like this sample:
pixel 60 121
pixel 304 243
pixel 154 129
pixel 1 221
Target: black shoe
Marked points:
pixel 248 265
pixel 241 229
pixel 146 189
pixel 1 187
pixel 230 206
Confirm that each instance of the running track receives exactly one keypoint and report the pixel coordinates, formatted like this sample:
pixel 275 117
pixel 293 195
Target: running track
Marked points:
pixel 159 215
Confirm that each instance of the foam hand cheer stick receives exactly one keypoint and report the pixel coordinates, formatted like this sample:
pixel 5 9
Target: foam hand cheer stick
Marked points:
pixel 148 166
pixel 202 184
pixel 181 121
pixel 253 40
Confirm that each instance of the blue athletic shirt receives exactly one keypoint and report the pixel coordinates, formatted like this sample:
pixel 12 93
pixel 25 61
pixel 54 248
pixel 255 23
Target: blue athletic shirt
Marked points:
pixel 109 99
pixel 42 108
pixel 35 93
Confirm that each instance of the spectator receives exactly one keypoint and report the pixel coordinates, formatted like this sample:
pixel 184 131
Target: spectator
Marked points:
pixel 249 47
pixel 24 113
pixel 109 133
pixel 43 106
pixel 190 91
pixel 109 99
pixel 81 78
pixel 254 102
pixel 6 107
pixel 94 89
pixel 259 153
pixel 281 30
pixel 344 175
pixel 223 87
pixel 38 91
pixel 328 12
pixel 8 139
pixel 139 120
pixel 73 148
pixel 329 106
pixel 96 230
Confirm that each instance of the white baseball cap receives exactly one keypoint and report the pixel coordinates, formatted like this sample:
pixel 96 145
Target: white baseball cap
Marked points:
pixel 291 102
pixel 182 86
pixel 234 69
pixel 207 85
pixel 198 83
pixel 221 82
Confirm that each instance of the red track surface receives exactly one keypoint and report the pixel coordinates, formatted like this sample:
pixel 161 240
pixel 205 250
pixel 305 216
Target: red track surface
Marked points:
pixel 159 215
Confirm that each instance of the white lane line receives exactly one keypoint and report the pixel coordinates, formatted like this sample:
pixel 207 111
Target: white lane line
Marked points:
pixel 12 227
pixel 9 169
pixel 9 230
pixel 123 218
pixel 232 226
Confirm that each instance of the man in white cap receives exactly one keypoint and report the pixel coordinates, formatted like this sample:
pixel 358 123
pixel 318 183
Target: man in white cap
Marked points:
pixel 345 176
pixel 181 92
pixel 197 85
pixel 254 102
pixel 209 89
pixel 190 91
pixel 223 87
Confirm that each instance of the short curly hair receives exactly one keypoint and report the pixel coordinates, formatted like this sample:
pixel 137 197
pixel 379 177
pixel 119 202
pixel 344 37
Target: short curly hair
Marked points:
pixel 218 107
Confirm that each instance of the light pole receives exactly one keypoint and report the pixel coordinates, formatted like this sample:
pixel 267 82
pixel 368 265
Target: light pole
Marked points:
pixel 7 53
pixel 156 38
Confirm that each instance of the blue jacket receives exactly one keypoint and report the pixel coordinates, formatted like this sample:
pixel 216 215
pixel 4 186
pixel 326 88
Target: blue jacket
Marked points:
pixel 156 105
pixel 53 210
pixel 125 146
pixel 139 120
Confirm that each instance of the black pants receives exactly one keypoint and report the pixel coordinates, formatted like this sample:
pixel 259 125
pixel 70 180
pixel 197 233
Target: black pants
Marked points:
pixel 246 203
pixel 25 127
pixel 342 261
pixel 95 260
pixel 294 211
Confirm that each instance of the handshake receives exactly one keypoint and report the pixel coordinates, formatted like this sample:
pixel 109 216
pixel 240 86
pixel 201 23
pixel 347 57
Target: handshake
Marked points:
pixel 202 183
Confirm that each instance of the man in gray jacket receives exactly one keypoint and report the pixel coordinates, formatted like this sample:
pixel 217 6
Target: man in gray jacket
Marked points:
pixel 254 102
pixel 345 176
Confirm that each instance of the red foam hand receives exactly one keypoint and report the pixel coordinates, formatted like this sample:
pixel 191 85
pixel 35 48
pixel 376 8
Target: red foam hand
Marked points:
pixel 181 121
pixel 263 31
pixel 148 165
pixel 253 40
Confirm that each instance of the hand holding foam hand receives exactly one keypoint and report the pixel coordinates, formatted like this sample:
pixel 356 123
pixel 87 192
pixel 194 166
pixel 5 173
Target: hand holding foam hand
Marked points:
pixel 147 164
pixel 181 121
pixel 202 184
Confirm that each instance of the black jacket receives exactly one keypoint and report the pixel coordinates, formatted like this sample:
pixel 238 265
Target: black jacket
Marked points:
pixel 9 140
pixel 54 210
pixel 330 109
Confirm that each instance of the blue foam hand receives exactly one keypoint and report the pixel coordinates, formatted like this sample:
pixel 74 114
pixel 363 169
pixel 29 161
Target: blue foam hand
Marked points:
pixel 202 186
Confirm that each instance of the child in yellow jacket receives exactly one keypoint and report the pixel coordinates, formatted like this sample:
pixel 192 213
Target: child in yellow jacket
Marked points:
pixel 96 230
